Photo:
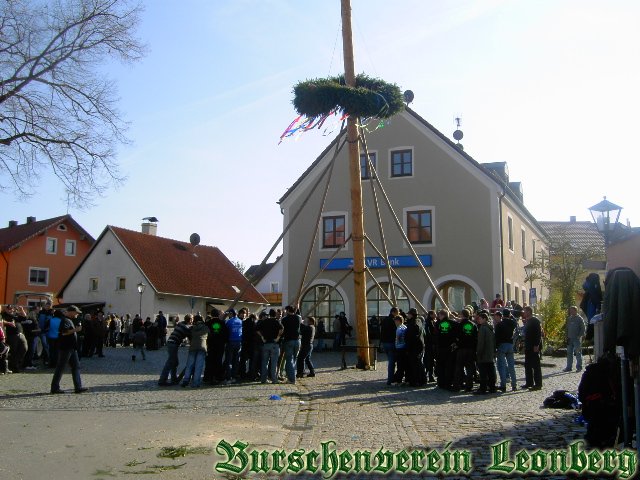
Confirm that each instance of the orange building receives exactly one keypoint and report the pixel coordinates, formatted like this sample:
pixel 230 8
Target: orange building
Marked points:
pixel 37 258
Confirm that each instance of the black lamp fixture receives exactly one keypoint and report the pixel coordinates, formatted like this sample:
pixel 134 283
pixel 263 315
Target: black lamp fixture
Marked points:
pixel 605 215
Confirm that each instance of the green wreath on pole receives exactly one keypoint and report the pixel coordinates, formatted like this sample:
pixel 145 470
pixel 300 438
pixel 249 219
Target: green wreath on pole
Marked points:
pixel 371 97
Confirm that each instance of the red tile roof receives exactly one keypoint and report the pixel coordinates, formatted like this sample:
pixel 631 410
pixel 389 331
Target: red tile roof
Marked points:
pixel 12 237
pixel 178 268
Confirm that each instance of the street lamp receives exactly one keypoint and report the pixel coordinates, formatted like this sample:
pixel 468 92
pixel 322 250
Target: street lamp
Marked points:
pixel 603 213
pixel 141 287
pixel 529 272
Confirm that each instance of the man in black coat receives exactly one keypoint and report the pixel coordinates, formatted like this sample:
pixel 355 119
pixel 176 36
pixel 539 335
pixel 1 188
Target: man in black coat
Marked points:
pixel 414 339
pixel 532 341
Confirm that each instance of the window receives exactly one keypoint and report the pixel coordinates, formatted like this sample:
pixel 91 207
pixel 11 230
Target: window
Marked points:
pixel 62 227
pixel 275 287
pixel 523 243
pixel 93 284
pixel 510 232
pixel 38 276
pixel 419 226
pixel 457 294
pixel 121 283
pixel 377 303
pixel 516 293
pixel 402 163
pixel 525 298
pixel 508 285
pixel 365 173
pixel 330 306
pixel 70 248
pixel 533 250
pixel 52 245
pixel 333 231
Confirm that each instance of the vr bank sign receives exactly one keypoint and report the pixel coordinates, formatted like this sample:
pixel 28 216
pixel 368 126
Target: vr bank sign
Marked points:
pixel 377 262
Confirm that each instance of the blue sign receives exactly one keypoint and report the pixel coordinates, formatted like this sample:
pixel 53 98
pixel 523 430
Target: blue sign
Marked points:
pixel 377 262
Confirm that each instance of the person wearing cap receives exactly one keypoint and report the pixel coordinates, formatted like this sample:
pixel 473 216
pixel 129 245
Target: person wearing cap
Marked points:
pixel 66 346
pixel 505 327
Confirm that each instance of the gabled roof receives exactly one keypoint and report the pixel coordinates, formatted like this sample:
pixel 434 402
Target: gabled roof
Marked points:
pixel 582 235
pixel 485 170
pixel 178 268
pixel 254 273
pixel 13 237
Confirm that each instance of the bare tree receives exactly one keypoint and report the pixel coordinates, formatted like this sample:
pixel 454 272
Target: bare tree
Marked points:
pixel 58 111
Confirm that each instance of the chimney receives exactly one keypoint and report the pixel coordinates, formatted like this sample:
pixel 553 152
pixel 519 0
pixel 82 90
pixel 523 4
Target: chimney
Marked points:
pixel 13 223
pixel 572 219
pixel 150 228
pixel 31 219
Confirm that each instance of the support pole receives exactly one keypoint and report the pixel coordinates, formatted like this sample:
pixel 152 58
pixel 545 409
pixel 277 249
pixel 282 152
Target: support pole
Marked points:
pixel 357 218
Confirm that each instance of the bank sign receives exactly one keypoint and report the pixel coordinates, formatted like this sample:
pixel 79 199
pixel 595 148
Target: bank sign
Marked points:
pixel 377 262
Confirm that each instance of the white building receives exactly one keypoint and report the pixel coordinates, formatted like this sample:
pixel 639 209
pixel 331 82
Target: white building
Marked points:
pixel 177 277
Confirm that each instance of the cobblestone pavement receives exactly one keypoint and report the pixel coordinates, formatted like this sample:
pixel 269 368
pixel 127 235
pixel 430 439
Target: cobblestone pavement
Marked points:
pixel 120 426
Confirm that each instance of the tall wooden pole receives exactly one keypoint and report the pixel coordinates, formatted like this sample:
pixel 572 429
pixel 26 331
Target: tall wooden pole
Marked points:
pixel 357 219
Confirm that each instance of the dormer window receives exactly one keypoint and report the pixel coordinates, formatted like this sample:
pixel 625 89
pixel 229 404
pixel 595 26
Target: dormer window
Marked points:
pixel 62 227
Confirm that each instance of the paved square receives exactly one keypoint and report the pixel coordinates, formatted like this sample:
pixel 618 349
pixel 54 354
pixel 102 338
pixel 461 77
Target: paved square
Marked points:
pixel 120 427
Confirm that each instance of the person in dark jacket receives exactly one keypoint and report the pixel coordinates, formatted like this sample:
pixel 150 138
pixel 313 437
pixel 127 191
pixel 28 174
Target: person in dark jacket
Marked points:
pixel 307 334
pixel 485 354
pixel 446 342
pixel 388 342
pixel 67 349
pixel 429 358
pixel 181 331
pixel 414 339
pixel 216 345
pixel 248 346
pixel 505 327
pixel 466 353
pixel 532 341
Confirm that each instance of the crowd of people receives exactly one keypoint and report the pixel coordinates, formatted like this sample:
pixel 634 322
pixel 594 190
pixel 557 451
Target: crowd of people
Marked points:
pixel 228 347
pixel 32 337
pixel 457 350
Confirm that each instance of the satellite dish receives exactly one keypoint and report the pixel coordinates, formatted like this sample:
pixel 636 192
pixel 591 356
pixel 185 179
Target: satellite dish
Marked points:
pixel 458 135
pixel 194 239
pixel 408 96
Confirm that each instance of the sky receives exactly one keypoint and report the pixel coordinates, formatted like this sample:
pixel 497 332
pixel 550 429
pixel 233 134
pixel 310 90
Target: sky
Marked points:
pixel 550 86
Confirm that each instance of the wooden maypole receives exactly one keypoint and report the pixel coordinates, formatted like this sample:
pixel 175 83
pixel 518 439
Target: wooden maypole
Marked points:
pixel 357 218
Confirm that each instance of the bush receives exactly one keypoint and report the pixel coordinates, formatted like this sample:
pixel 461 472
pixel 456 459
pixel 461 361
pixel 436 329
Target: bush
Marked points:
pixel 553 321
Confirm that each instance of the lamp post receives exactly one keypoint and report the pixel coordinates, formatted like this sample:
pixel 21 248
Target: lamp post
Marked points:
pixel 529 272
pixel 141 287
pixel 603 213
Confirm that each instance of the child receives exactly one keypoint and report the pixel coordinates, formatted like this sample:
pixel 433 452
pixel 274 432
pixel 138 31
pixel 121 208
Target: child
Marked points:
pixel 485 353
pixel 139 342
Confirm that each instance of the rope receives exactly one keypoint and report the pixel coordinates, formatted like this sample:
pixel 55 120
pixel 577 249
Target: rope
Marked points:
pixel 284 232
pixel 374 173
pixel 318 217
pixel 380 288
pixel 406 239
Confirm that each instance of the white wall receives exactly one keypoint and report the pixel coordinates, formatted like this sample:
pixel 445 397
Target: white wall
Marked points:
pixel 276 274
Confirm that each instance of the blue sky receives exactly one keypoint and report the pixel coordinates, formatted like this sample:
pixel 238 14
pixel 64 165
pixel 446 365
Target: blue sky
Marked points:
pixel 549 86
